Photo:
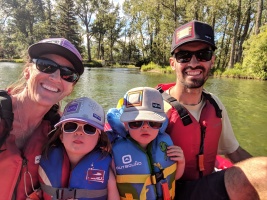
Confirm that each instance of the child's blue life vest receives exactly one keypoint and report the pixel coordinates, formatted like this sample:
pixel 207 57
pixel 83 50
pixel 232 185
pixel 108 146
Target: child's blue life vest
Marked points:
pixel 141 174
pixel 88 179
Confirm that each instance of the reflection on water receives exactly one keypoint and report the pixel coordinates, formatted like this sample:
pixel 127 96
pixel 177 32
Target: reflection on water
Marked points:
pixel 245 100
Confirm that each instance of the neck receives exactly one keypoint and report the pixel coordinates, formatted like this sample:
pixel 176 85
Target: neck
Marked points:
pixel 187 96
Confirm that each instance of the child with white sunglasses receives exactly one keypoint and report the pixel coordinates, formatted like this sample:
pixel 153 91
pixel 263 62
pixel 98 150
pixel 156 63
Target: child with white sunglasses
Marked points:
pixel 76 160
pixel 145 161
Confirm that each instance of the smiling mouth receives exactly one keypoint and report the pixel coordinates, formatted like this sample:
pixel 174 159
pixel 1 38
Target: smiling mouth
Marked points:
pixel 50 88
pixel 193 72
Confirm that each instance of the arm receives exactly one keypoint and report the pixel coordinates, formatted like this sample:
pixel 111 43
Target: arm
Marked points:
pixel 113 193
pixel 176 154
pixel 238 155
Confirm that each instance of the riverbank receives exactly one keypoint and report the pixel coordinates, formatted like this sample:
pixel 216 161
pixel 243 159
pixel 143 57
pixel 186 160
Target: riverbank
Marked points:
pixel 227 73
pixel 154 68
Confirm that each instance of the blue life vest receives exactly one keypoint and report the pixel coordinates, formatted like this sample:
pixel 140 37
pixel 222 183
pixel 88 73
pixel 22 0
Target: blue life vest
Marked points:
pixel 88 180
pixel 140 174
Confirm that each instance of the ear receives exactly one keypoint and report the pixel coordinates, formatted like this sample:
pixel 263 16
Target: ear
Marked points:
pixel 172 62
pixel 26 73
pixel 126 126
pixel 61 136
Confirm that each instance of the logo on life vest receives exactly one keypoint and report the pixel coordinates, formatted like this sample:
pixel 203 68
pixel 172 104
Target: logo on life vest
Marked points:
pixel 126 159
pixel 96 175
pixel 128 162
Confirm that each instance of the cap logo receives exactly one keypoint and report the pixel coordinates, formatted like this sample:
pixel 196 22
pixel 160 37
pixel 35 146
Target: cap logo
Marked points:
pixel 96 116
pixel 186 32
pixel 134 99
pixel 156 105
pixel 72 108
pixel 55 41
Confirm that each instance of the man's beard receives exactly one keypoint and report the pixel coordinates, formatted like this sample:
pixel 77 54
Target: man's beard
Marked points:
pixel 195 83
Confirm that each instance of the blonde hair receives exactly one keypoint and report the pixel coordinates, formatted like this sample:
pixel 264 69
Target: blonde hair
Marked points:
pixel 18 86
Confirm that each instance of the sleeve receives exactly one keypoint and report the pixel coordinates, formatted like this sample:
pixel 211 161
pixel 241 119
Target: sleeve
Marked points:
pixel 227 142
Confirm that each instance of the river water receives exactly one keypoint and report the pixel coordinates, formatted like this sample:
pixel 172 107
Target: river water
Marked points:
pixel 245 100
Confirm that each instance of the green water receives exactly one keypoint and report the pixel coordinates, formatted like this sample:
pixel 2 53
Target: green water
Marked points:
pixel 245 100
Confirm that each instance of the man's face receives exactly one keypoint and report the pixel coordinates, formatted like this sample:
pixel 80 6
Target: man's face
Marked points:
pixel 192 73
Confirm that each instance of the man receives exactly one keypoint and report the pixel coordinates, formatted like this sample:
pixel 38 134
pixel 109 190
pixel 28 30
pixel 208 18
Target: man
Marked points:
pixel 199 124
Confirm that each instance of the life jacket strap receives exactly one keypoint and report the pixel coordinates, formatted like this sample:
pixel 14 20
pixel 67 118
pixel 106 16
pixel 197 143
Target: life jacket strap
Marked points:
pixel 155 178
pixel 180 109
pixel 71 193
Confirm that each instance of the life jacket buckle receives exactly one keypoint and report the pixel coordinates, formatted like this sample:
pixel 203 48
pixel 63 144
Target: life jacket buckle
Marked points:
pixel 158 176
pixel 66 193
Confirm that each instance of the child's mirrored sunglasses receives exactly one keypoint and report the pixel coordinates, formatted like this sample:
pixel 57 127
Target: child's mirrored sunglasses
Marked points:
pixel 70 127
pixel 203 55
pixel 138 124
pixel 48 66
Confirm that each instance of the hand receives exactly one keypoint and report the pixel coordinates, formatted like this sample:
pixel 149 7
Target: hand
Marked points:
pixel 176 154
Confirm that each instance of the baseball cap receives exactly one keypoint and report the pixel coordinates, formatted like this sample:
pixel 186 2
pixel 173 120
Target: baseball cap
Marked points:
pixel 143 103
pixel 191 32
pixel 59 46
pixel 86 110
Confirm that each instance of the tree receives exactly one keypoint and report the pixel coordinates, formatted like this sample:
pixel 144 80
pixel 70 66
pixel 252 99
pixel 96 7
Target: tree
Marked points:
pixel 255 54
pixel 68 26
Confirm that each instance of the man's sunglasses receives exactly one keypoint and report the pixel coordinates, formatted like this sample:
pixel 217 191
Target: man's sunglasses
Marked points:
pixel 71 127
pixel 201 55
pixel 138 124
pixel 48 66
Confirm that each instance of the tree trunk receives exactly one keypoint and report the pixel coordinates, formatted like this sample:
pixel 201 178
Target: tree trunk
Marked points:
pixel 258 19
pixel 233 45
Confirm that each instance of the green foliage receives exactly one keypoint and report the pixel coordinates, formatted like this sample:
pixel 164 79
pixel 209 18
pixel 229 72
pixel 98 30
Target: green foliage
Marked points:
pixel 93 63
pixel 255 54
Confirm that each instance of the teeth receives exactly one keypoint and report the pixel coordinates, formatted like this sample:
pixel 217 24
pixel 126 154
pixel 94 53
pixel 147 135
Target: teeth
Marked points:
pixel 50 88
pixel 193 73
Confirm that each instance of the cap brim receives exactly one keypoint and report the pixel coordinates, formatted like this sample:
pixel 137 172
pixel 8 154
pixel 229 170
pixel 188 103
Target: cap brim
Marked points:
pixel 81 120
pixel 38 49
pixel 194 40
pixel 142 116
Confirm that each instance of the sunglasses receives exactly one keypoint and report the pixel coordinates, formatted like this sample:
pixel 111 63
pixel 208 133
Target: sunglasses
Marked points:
pixel 138 124
pixel 203 55
pixel 71 127
pixel 48 66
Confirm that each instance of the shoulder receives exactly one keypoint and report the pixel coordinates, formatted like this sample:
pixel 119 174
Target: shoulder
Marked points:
pixel 216 98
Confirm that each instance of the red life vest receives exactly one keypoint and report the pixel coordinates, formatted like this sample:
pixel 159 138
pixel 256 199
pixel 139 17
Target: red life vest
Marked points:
pixel 13 167
pixel 191 137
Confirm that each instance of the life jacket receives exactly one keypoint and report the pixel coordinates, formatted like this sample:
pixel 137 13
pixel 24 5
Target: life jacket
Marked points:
pixel 19 173
pixel 88 180
pixel 19 169
pixel 142 174
pixel 198 139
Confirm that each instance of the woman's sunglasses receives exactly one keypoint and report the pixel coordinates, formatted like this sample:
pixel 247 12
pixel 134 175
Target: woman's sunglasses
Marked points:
pixel 201 55
pixel 48 66
pixel 138 124
pixel 70 127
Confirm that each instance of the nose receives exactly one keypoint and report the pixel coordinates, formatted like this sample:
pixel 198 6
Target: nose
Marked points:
pixel 145 125
pixel 193 62
pixel 55 75
pixel 79 131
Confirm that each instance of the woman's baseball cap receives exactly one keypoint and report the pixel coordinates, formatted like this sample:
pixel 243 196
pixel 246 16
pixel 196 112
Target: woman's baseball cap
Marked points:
pixel 143 104
pixel 86 110
pixel 59 46
pixel 191 32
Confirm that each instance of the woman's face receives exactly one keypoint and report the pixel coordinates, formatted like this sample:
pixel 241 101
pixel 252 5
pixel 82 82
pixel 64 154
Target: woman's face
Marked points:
pixel 48 89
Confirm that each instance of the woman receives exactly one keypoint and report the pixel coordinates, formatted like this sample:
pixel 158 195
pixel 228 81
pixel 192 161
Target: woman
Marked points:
pixel 54 67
